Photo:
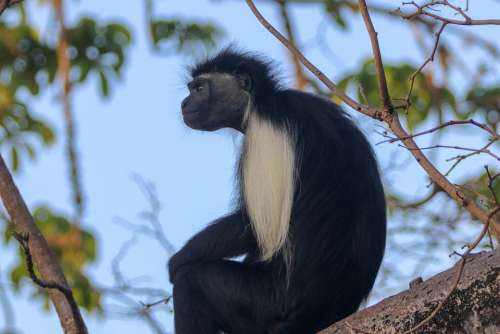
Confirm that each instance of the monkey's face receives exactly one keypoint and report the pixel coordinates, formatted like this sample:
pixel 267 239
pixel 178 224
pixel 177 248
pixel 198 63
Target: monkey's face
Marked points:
pixel 215 101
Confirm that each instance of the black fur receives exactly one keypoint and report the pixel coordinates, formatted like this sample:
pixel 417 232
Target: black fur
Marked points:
pixel 336 237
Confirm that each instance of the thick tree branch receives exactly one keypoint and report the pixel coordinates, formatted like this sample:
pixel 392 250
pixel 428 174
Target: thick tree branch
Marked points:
pixel 472 307
pixel 50 271
pixel 65 290
pixel 394 124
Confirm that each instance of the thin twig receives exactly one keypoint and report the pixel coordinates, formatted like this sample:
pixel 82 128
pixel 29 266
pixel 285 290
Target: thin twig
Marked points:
pixel 419 203
pixel 483 126
pixel 491 179
pixel 419 70
pixel 421 10
pixel 379 65
pixel 475 150
pixel 165 300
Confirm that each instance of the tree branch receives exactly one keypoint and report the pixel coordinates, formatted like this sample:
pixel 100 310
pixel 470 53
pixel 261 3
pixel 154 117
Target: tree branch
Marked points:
pixel 494 136
pixel 4 4
pixel 64 67
pixel 50 271
pixel 394 124
pixel 467 20
pixel 369 111
pixel 65 290
pixel 428 60
pixel 379 65
pixel 471 306
pixel 300 78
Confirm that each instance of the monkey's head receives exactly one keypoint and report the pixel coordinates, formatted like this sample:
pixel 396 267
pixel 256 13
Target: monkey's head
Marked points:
pixel 215 101
pixel 224 87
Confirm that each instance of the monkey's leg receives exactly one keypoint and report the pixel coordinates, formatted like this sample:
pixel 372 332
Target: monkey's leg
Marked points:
pixel 224 296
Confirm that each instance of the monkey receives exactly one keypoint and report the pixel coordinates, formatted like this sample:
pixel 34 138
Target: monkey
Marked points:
pixel 302 248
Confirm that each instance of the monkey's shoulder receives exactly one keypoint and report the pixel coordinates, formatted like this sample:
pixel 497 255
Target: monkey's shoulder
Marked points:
pixel 315 113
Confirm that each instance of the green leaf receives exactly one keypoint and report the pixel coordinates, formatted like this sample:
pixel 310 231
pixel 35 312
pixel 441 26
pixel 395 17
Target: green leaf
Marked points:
pixel 74 247
pixel 175 34
pixel 104 84
pixel 14 159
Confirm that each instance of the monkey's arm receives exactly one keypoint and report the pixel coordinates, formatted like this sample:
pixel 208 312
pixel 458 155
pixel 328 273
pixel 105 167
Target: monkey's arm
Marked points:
pixel 227 237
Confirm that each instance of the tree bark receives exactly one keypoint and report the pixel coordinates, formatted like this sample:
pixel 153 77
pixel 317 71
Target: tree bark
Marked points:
pixel 473 307
pixel 43 258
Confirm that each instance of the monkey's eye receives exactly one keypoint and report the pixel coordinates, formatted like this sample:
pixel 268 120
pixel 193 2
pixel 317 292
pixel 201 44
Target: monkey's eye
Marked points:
pixel 198 87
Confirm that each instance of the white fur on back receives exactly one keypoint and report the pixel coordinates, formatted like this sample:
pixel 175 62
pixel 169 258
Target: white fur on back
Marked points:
pixel 268 182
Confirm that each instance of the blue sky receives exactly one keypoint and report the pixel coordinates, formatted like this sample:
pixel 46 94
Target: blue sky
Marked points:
pixel 139 130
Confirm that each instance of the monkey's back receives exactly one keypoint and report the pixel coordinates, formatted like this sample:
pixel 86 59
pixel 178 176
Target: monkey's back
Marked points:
pixel 338 223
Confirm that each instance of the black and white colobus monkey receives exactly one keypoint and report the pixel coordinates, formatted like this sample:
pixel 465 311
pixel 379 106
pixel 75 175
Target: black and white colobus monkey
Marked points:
pixel 311 219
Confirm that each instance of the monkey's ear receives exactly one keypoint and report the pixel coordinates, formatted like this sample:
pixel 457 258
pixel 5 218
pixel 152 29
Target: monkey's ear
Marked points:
pixel 245 81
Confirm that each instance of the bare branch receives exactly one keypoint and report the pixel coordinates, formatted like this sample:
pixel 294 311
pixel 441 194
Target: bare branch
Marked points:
pixel 428 60
pixel 459 158
pixel 300 78
pixel 494 136
pixel 320 75
pixel 379 65
pixel 474 150
pixel 491 179
pixel 165 300
pixel 418 203
pixel 64 289
pixel 50 271
pixel 392 120
pixel 424 10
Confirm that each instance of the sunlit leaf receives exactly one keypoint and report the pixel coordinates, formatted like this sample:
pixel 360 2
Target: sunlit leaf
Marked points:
pixel 74 247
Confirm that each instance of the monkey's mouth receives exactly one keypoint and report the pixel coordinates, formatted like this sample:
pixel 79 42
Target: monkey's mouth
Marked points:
pixel 190 113
pixel 191 117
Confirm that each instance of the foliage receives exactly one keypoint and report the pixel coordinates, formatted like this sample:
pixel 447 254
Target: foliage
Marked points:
pixel 427 98
pixel 98 48
pixel 176 35
pixel 75 248
pixel 27 63
pixel 484 100
pixel 336 10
